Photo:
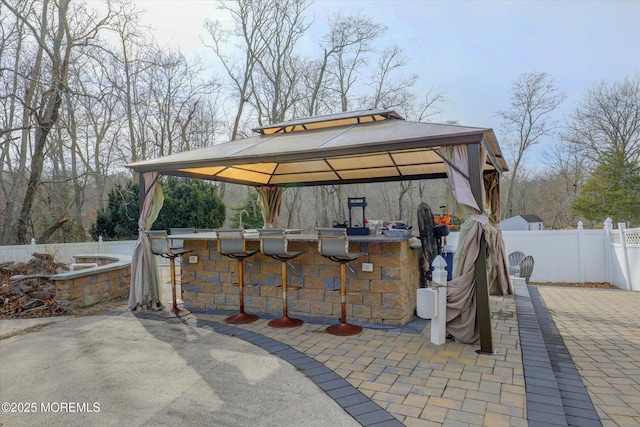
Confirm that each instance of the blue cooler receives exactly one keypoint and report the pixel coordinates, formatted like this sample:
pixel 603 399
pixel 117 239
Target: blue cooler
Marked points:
pixel 449 253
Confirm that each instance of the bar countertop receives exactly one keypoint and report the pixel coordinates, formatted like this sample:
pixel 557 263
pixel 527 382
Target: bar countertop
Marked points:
pixel 295 235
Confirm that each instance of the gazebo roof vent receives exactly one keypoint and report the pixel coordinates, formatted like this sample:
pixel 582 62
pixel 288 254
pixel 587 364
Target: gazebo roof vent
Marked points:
pixel 329 121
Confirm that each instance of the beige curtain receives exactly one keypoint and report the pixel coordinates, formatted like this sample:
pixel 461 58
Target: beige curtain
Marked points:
pixel 461 291
pixel 145 270
pixel 269 201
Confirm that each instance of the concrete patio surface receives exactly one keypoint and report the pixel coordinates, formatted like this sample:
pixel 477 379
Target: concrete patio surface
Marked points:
pixel 565 356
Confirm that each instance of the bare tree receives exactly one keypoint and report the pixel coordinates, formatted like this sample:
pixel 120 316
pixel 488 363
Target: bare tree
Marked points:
pixel 534 96
pixel 428 108
pixel 103 121
pixel 275 86
pixel 128 83
pixel 175 91
pixel 15 61
pixel 567 171
pixel 348 61
pixel 605 127
pixel 57 35
pixel 348 35
pixel 389 90
pixel 252 19
pixel 606 124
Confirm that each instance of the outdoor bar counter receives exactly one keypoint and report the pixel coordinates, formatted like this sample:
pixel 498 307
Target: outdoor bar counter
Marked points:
pixel 387 295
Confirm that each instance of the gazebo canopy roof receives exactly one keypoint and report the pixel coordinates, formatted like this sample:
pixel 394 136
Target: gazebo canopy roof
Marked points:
pixel 362 146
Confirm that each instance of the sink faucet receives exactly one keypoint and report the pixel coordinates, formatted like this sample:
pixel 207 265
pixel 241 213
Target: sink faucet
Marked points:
pixel 246 213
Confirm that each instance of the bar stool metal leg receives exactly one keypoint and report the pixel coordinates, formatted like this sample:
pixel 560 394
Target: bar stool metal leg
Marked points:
pixel 343 329
pixel 241 317
pixel 175 311
pixel 285 321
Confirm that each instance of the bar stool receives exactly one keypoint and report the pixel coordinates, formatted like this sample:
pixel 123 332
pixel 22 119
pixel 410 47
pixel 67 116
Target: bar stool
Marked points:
pixel 334 245
pixel 178 244
pixel 161 245
pixel 231 243
pixel 273 243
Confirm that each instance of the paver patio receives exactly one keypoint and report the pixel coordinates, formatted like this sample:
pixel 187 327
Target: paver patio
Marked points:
pixel 421 384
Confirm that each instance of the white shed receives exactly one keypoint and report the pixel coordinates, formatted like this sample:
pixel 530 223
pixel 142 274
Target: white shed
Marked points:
pixel 522 223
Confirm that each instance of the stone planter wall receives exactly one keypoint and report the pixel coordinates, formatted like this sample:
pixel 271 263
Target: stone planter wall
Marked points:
pixel 110 280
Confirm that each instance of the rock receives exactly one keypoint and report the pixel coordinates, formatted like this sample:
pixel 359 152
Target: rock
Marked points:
pixel 32 304
pixel 25 288
pixel 43 295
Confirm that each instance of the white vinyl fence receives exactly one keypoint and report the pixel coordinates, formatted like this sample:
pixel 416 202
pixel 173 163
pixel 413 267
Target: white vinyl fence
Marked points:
pixel 64 252
pixel 605 255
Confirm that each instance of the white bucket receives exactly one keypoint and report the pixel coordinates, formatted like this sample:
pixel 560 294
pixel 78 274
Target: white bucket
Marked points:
pixel 427 303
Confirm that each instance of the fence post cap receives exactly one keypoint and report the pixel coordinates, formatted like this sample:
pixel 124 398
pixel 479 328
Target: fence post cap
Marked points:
pixel 439 262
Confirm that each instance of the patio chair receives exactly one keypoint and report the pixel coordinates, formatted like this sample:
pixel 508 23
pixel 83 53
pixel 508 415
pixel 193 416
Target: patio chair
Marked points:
pixel 161 245
pixel 334 245
pixel 514 261
pixel 525 268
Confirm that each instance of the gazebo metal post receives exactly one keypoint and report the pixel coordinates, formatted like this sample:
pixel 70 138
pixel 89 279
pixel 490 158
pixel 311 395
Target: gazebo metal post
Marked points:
pixel 483 313
pixel 141 191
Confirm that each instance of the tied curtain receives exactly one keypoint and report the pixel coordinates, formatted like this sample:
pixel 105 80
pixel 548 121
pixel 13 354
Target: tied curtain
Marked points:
pixel 461 291
pixel 499 283
pixel 269 201
pixel 145 270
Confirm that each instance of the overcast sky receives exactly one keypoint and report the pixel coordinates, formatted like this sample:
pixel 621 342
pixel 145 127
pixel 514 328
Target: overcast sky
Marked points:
pixel 471 51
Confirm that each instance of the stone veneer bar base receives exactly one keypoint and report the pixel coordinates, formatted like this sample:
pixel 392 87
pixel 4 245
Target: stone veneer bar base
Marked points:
pixel 387 295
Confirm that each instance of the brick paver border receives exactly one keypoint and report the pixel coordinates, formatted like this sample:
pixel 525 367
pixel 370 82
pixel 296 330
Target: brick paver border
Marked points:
pixel 556 394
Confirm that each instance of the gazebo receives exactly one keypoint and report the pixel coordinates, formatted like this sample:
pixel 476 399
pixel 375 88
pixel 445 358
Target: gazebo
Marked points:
pixel 364 147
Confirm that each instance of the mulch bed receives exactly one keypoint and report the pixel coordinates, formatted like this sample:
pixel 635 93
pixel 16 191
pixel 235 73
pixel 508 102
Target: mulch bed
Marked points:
pixel 600 285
